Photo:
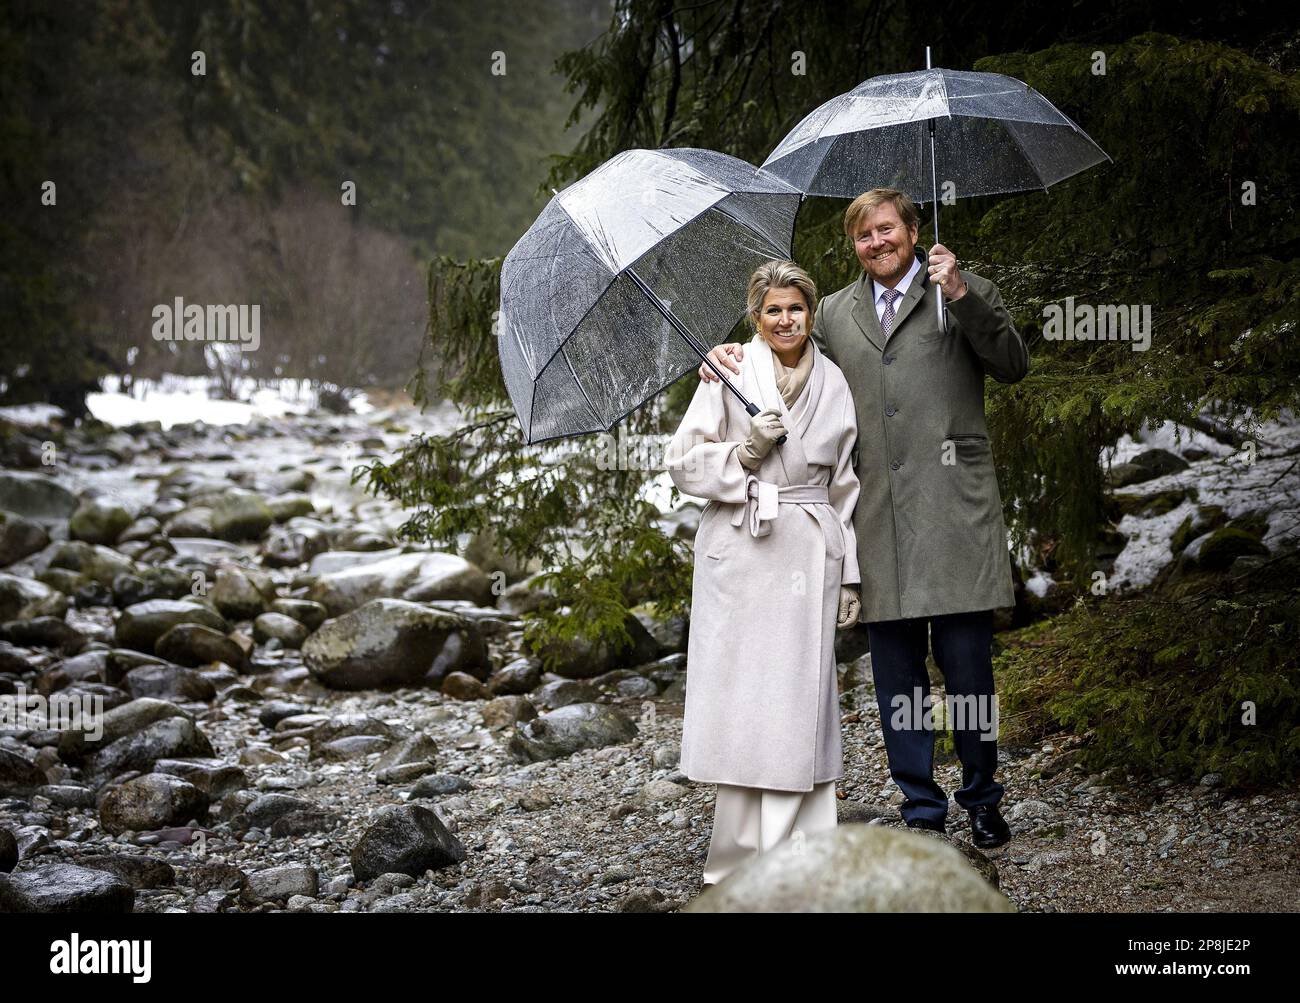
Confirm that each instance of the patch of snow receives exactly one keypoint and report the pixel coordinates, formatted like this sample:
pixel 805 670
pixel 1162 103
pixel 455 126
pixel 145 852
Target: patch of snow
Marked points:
pixel 32 415
pixel 1040 583
pixel 1147 551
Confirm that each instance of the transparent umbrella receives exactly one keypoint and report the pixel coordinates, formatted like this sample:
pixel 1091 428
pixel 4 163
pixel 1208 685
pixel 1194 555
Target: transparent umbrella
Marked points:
pixel 626 280
pixel 984 133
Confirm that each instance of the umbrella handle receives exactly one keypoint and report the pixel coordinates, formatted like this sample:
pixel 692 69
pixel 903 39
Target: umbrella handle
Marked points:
pixel 752 409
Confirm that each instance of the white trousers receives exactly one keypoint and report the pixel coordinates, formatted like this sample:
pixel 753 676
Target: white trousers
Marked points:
pixel 748 821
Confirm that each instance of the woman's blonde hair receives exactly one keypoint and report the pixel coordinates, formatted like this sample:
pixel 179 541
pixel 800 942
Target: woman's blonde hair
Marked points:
pixel 781 275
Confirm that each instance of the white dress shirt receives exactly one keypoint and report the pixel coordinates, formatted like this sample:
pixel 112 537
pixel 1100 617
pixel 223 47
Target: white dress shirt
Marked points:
pixel 901 288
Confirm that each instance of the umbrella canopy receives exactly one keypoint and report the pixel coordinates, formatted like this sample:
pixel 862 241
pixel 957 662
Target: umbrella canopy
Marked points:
pixel 987 133
pixel 993 134
pixel 628 277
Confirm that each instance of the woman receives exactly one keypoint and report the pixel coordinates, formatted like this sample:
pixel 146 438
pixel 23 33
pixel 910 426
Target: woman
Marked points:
pixel 775 573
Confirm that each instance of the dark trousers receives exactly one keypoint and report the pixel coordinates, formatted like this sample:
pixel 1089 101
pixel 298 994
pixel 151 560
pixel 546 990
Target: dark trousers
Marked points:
pixel 962 644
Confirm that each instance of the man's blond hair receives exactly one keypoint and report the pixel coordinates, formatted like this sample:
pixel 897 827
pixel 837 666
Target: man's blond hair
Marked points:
pixel 867 202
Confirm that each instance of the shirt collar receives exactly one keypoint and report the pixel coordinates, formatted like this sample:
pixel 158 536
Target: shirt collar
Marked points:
pixel 904 283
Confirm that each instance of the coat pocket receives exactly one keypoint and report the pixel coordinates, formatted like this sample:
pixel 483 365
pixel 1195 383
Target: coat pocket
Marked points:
pixel 709 542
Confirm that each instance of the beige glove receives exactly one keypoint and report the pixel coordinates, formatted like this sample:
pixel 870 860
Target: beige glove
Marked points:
pixel 764 429
pixel 850 605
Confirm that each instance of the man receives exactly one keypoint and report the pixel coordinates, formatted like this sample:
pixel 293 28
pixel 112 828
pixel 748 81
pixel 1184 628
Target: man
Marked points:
pixel 932 545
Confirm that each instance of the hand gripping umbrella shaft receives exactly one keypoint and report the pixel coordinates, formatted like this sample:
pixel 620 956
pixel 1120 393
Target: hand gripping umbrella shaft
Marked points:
pixel 750 408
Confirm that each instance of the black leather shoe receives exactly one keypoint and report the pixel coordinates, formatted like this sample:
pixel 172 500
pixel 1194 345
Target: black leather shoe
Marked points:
pixel 987 827
pixel 925 823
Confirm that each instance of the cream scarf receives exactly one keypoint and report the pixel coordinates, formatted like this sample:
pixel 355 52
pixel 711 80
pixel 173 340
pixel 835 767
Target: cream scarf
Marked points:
pixel 790 382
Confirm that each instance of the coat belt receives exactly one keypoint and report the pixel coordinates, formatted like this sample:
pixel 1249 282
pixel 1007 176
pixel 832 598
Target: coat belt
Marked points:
pixel 763 500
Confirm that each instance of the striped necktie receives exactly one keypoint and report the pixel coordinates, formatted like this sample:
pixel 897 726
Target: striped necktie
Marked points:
pixel 887 319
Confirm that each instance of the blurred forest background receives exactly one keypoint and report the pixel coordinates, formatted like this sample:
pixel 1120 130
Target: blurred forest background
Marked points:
pixel 226 187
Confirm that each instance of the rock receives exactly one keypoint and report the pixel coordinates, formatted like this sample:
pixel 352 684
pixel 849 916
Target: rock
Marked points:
pixel 275 711
pixel 193 644
pixel 581 659
pixel 1207 518
pixel 68 795
pixel 567 730
pixel 144 528
pixel 137 870
pixel 403 774
pixel 286 506
pixel 171 738
pixel 334 561
pixel 416 577
pixel 417 748
pixel 65 888
pixel 49 632
pixel 8 851
pixel 296 543
pixel 19 772
pixel 563 692
pixel 387 642
pixel 153 801
pixel 1145 466
pixel 440 785
pixel 91 560
pixel 350 747
pixel 99 520
pixel 520 676
pixel 142 624
pixel 237 595
pixel 20 537
pixel 26 599
pixel 35 496
pixel 661 792
pixel 502 712
pixel 362 539
pixel 310 614
pixel 120 722
pixel 280 883
pixel 214 777
pixel 1030 810
pixel 194 522
pixel 288 631
pixel 240 515
pixel 855 869
pixel 670 633
pixel 1225 545
pixel 267 809
pixel 170 682
pixel 527 596
pixel 407 839
pixel 462 686
pixel 158 582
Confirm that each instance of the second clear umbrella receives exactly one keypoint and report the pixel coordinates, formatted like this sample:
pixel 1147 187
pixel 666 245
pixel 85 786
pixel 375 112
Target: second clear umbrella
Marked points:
pixel 626 280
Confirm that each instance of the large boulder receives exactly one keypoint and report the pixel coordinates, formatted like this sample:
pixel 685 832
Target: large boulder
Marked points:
pixel 99 520
pixel 153 801
pixel 855 868
pixel 570 729
pixel 404 839
pixel 142 624
pixel 240 515
pixel 64 888
pixel 171 738
pixel 92 560
pixel 387 642
pixel 418 577
pixel 26 599
pixel 20 537
pixel 36 496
